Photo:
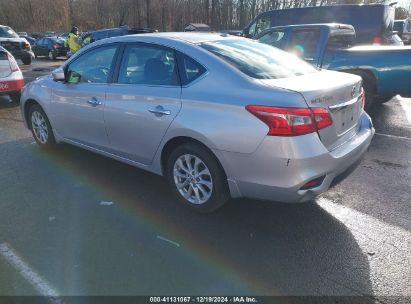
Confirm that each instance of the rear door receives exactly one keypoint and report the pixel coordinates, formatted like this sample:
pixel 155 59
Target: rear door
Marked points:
pixel 142 104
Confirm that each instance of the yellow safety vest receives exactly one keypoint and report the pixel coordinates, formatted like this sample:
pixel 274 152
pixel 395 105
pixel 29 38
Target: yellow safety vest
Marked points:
pixel 72 42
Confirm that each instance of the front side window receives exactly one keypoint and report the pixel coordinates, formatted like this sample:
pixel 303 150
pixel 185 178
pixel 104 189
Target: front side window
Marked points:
pixel 304 43
pixel 92 67
pixel 148 65
pixel 258 60
pixel 275 38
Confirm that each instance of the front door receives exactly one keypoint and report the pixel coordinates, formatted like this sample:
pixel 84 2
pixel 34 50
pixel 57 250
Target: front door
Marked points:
pixel 78 103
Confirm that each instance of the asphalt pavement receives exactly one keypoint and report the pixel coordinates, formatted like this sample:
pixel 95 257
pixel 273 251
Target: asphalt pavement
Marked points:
pixel 75 223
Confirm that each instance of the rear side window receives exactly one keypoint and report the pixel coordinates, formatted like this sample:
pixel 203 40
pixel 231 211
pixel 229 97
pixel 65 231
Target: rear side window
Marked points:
pixel 275 38
pixel 3 55
pixel 190 69
pixel 149 65
pixel 304 43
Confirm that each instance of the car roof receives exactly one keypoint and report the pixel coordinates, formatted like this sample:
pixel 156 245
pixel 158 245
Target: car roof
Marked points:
pixel 190 37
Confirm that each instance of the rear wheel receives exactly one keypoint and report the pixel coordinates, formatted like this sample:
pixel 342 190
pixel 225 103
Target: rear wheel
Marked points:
pixel 40 127
pixel 15 97
pixel 51 56
pixel 196 178
pixel 369 91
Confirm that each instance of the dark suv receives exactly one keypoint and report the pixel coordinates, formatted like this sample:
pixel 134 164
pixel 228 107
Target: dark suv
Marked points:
pixel 18 47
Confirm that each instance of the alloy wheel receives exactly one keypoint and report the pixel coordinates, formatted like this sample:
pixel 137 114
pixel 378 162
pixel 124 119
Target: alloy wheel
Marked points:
pixel 193 179
pixel 39 126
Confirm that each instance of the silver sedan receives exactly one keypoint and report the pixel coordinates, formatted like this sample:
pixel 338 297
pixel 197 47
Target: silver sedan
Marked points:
pixel 218 116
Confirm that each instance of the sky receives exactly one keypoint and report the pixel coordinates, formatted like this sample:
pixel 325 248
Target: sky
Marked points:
pixel 403 3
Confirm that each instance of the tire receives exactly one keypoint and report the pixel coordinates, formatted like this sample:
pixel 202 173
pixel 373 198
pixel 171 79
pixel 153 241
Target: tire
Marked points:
pixel 40 127
pixel 26 60
pixel 206 192
pixel 369 90
pixel 15 97
pixel 51 56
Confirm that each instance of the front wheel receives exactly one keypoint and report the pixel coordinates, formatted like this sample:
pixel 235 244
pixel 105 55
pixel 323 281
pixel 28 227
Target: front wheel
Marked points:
pixel 26 60
pixel 40 127
pixel 196 178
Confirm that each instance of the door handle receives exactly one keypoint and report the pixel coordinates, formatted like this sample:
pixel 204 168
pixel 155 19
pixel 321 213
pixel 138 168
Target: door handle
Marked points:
pixel 94 102
pixel 159 111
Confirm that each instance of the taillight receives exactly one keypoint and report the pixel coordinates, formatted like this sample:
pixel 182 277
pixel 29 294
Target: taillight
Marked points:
pixel 57 46
pixel 291 121
pixel 377 40
pixel 13 64
pixel 362 98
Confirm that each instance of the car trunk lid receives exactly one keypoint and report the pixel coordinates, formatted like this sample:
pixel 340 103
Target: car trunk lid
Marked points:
pixel 339 93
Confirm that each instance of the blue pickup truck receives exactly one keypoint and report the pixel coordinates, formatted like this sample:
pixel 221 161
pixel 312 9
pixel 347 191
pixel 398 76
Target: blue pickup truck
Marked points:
pixel 386 70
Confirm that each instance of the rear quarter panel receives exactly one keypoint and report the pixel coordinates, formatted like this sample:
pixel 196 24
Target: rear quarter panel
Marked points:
pixel 391 66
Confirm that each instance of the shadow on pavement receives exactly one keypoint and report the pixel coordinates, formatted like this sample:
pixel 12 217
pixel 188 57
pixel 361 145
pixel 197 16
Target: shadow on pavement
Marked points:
pixel 248 247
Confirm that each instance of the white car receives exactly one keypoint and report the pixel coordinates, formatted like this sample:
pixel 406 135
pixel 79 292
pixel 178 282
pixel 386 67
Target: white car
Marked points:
pixel 11 78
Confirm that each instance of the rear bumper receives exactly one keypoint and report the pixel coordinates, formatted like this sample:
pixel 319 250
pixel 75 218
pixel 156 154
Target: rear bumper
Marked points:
pixel 280 167
pixel 11 86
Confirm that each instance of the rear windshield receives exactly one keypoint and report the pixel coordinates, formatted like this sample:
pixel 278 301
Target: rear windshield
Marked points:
pixel 258 60
pixel 7 32
pixel 58 41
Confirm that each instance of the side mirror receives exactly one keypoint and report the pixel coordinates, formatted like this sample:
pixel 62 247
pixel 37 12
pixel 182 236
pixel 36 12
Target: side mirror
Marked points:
pixel 58 75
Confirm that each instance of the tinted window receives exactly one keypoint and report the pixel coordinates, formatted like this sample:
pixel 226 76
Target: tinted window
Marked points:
pixel 258 60
pixel 150 65
pixel 275 38
pixel 304 43
pixel 92 67
pixel 190 69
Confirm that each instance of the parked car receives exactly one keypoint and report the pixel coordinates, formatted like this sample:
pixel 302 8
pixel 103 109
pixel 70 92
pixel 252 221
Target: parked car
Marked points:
pixel 385 70
pixel 11 78
pixel 18 47
pixel 403 28
pixel 113 32
pixel 372 22
pixel 51 47
pixel 218 115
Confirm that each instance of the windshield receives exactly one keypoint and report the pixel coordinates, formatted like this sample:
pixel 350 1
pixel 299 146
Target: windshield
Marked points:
pixel 258 60
pixel 7 32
